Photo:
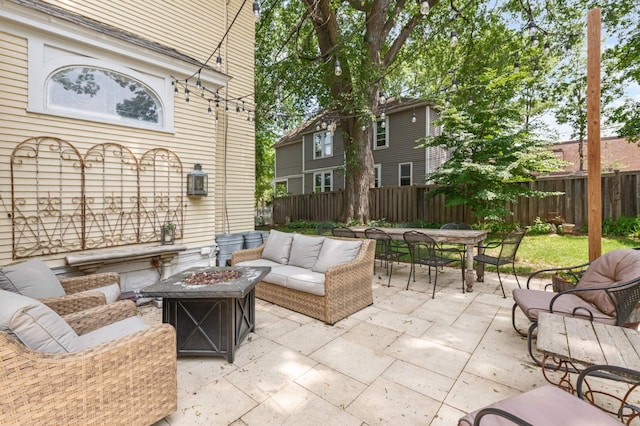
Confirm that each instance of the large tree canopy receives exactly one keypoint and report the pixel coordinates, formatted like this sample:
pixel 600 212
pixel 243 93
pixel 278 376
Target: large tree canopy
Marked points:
pixel 490 85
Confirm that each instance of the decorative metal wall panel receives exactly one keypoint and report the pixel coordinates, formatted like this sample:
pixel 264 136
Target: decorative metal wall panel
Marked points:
pixel 62 201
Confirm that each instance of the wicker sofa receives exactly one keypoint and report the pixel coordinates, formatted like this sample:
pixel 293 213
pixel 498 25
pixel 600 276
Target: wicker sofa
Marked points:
pixel 130 380
pixel 342 286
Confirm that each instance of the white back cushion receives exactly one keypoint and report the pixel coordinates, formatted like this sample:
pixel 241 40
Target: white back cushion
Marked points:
pixel 278 247
pixel 36 325
pixel 32 278
pixel 305 250
pixel 334 252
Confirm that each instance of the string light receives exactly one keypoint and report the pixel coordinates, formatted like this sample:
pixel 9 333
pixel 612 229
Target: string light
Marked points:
pixel 534 41
pixel 382 98
pixel 532 27
pixel 424 7
pixel 547 47
pixel 209 110
pixel 470 100
pixel 454 85
pixel 516 67
pixel 198 82
pixel 338 68
pixel 413 116
pixel 219 62
pixel 454 38
pixel 256 10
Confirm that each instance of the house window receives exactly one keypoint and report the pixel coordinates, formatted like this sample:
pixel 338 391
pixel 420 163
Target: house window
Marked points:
pixel 377 173
pixel 322 145
pixel 281 189
pixel 405 173
pixel 104 94
pixel 381 137
pixel 322 181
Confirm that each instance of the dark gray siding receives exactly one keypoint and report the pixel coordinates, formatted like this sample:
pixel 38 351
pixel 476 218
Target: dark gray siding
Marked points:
pixel 403 135
pixel 294 185
pixel 337 159
pixel 288 160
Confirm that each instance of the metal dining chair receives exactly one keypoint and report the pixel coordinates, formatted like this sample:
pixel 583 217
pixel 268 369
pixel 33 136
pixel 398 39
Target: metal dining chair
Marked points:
pixel 341 231
pixel 458 249
pixel 424 250
pixel 507 254
pixel 384 249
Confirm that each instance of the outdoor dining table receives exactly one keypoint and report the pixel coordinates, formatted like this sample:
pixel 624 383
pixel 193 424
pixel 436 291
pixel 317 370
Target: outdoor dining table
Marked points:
pixel 448 236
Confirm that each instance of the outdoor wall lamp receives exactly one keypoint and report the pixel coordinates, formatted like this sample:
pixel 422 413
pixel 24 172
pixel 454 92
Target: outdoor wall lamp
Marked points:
pixel 197 182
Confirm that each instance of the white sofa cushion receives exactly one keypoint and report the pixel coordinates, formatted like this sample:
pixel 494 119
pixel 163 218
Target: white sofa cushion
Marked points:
pixel 307 281
pixel 305 250
pixel 36 325
pixel 111 292
pixel 112 331
pixel 298 279
pixel 278 247
pixel 32 278
pixel 260 262
pixel 334 252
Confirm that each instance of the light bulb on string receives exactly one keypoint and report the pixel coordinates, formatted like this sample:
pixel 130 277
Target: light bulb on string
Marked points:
pixel 256 10
pixel 382 98
pixel 364 127
pixel 454 85
pixel 209 110
pixel 318 127
pixel 338 68
pixel 470 100
pixel 413 117
pixel 547 47
pixel 535 68
pixel 424 7
pixel 447 102
pixel 198 82
pixel 516 66
pixel 324 125
pixel 382 115
pixel 219 62
pixel 454 38
pixel 532 27
pixel 383 124
pixel 534 41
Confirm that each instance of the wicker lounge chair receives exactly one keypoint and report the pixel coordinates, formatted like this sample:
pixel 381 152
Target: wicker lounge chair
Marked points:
pixel 33 278
pixel 130 380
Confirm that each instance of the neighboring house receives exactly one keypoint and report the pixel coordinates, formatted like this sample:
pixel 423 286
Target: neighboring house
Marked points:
pixel 311 158
pixel 97 134
pixel 616 154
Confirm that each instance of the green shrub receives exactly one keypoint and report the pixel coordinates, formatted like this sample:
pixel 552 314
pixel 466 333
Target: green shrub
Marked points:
pixel 539 227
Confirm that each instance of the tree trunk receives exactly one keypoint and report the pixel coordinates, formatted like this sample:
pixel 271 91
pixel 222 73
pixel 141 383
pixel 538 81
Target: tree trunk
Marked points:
pixel 358 171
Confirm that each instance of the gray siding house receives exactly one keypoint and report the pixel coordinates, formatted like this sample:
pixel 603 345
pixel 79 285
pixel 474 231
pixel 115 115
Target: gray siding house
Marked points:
pixel 311 158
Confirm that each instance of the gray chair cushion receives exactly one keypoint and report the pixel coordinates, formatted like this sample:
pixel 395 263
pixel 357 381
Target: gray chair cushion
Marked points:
pixel 614 267
pixel 112 331
pixel 305 250
pixel 334 252
pixel 533 302
pixel 111 292
pixel 546 405
pixel 297 278
pixel 37 326
pixel 278 247
pixel 32 278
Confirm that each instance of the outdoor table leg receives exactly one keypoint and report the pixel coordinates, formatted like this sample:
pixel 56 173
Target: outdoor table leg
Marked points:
pixel 479 266
pixel 469 275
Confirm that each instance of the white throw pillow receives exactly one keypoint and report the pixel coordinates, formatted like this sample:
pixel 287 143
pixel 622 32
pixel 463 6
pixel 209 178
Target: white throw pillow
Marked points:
pixel 36 325
pixel 278 247
pixel 334 252
pixel 32 278
pixel 305 250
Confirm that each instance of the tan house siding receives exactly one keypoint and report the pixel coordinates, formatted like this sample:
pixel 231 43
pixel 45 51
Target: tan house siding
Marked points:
pixel 225 149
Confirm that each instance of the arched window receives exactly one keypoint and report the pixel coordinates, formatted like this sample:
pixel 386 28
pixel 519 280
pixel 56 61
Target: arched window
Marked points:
pixel 104 94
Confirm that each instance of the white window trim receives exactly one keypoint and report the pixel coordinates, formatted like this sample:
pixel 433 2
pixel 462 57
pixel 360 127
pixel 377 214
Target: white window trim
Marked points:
pixel 322 173
pixel 386 134
pixel 377 167
pixel 313 145
pixel 410 173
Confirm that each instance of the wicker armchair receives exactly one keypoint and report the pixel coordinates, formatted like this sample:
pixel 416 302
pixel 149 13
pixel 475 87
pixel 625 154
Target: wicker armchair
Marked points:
pixel 75 300
pixel 33 278
pixel 127 381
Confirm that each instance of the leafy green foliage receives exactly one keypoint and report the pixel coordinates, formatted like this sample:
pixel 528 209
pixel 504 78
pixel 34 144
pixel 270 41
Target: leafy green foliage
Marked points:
pixel 622 227
pixel 539 227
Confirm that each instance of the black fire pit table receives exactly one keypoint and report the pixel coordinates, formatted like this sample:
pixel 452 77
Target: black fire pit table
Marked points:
pixel 212 309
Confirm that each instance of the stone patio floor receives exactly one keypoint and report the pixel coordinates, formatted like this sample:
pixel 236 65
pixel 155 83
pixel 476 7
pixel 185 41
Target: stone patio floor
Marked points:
pixel 406 360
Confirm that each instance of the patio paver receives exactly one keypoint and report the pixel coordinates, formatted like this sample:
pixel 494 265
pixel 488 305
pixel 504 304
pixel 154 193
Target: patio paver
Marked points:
pixel 408 359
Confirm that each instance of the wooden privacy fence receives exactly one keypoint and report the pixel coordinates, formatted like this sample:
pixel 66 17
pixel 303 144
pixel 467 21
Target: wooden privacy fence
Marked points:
pixel 620 197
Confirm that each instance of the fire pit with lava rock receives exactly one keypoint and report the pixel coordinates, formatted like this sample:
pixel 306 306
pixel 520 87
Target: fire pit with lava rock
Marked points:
pixel 212 277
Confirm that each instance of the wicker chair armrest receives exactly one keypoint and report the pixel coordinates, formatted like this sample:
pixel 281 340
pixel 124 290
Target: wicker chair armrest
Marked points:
pixel 87 282
pixel 247 254
pixel 71 303
pixel 354 273
pixel 129 380
pixel 100 316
